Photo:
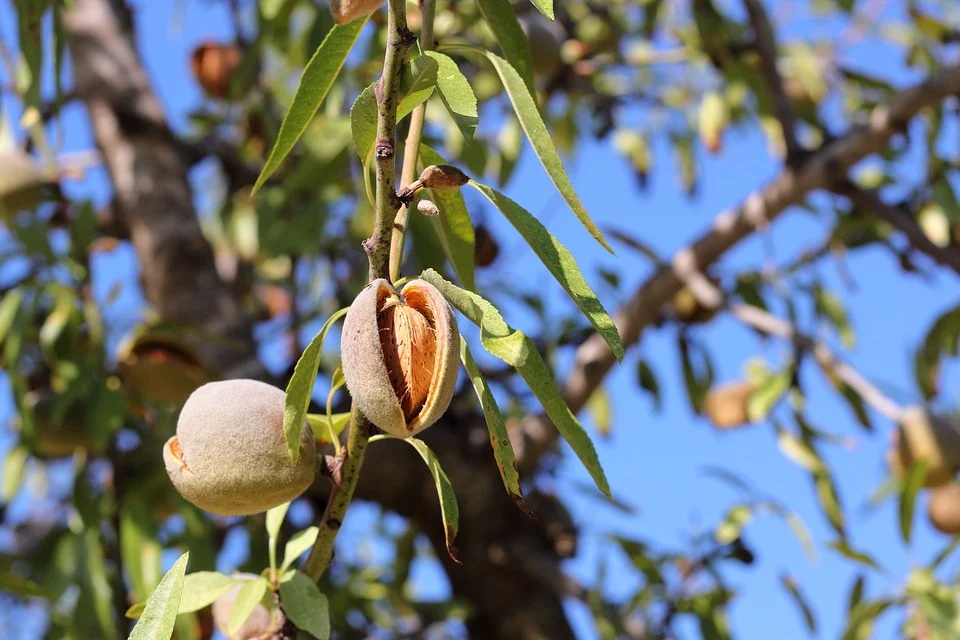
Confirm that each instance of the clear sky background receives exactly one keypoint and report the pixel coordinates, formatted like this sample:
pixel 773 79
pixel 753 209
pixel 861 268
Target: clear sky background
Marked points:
pixel 656 460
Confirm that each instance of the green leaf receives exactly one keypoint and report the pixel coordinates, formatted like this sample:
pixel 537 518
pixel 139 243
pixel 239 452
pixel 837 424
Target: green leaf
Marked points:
pixel 499 438
pixel 321 426
pixel 560 262
pixel 249 596
pixel 202 588
pixel 135 610
pixel 417 82
pixel 598 405
pixel 539 137
pixel 305 605
pixel 13 467
pixel 453 225
pixel 300 387
pixel 448 500
pixel 829 499
pixel 544 6
pixel 456 94
pixel 798 598
pixel 519 351
pixel 647 380
pixel 274 520
pixel 160 612
pixel 513 42
pixel 732 526
pixel 297 546
pixel 912 483
pixel 8 311
pixel 771 389
pixel 844 549
pixel 139 548
pixel 317 78
pixel 799 451
pixel 15 585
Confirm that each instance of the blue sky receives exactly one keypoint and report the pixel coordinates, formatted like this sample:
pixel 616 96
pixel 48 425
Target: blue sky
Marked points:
pixel 654 460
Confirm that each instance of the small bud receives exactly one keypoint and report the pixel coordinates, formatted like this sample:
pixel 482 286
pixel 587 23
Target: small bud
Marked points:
pixel 443 176
pixel 427 208
pixel 401 355
pixel 346 11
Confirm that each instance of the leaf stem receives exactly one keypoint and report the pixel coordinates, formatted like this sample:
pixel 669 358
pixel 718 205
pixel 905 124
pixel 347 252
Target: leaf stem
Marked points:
pixel 345 470
pixel 411 149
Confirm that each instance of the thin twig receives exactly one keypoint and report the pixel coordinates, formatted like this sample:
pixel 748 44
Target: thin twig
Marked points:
pixel 767 48
pixel 411 149
pixel 871 204
pixel 345 468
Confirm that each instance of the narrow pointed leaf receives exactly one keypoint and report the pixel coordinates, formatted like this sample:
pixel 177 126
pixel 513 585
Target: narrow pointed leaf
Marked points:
pixel 559 261
pixel 317 78
pixel 912 483
pixel 448 500
pixel 519 351
pixel 298 544
pixel 274 521
pixel 453 225
pixel 247 600
pixel 539 137
pixel 300 387
pixel 499 438
pixel 202 588
pixel 321 426
pixel 456 94
pixel 510 36
pixel 160 612
pixel 305 605
pixel 544 6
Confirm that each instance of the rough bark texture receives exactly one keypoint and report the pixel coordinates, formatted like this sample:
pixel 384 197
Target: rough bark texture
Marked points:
pixel 510 571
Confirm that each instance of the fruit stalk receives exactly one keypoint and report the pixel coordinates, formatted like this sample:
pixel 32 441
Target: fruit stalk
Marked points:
pixel 411 149
pixel 344 479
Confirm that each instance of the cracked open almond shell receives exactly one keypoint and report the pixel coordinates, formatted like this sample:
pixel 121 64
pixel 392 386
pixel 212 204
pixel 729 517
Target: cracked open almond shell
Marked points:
pixel 401 354
pixel 230 456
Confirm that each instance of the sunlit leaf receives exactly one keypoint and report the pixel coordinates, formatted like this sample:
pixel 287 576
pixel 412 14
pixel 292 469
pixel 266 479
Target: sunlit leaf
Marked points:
pixel 297 546
pixel 300 387
pixel 456 93
pixel 909 487
pixel 499 438
pixel 247 600
pixel 539 137
pixel 274 520
pixel 317 78
pixel 202 588
pixel 513 42
pixel 517 350
pixel 560 262
pixel 798 598
pixel 160 612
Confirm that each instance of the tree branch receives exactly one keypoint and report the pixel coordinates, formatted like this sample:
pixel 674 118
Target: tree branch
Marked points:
pixel 767 48
pixel 870 203
pixel 594 359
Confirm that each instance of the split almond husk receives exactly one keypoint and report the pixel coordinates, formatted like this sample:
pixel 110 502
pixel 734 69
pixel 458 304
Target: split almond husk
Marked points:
pixel 346 11
pixel 400 353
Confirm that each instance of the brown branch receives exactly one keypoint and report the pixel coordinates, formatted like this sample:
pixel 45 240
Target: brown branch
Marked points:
pixel 594 359
pixel 767 49
pixel 869 203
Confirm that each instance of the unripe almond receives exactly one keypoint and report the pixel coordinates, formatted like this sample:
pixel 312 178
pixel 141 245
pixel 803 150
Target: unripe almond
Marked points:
pixel 230 456
pixel 262 623
pixel 346 11
pixel 214 66
pixel 726 404
pixel 923 436
pixel 943 509
pixel 400 355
